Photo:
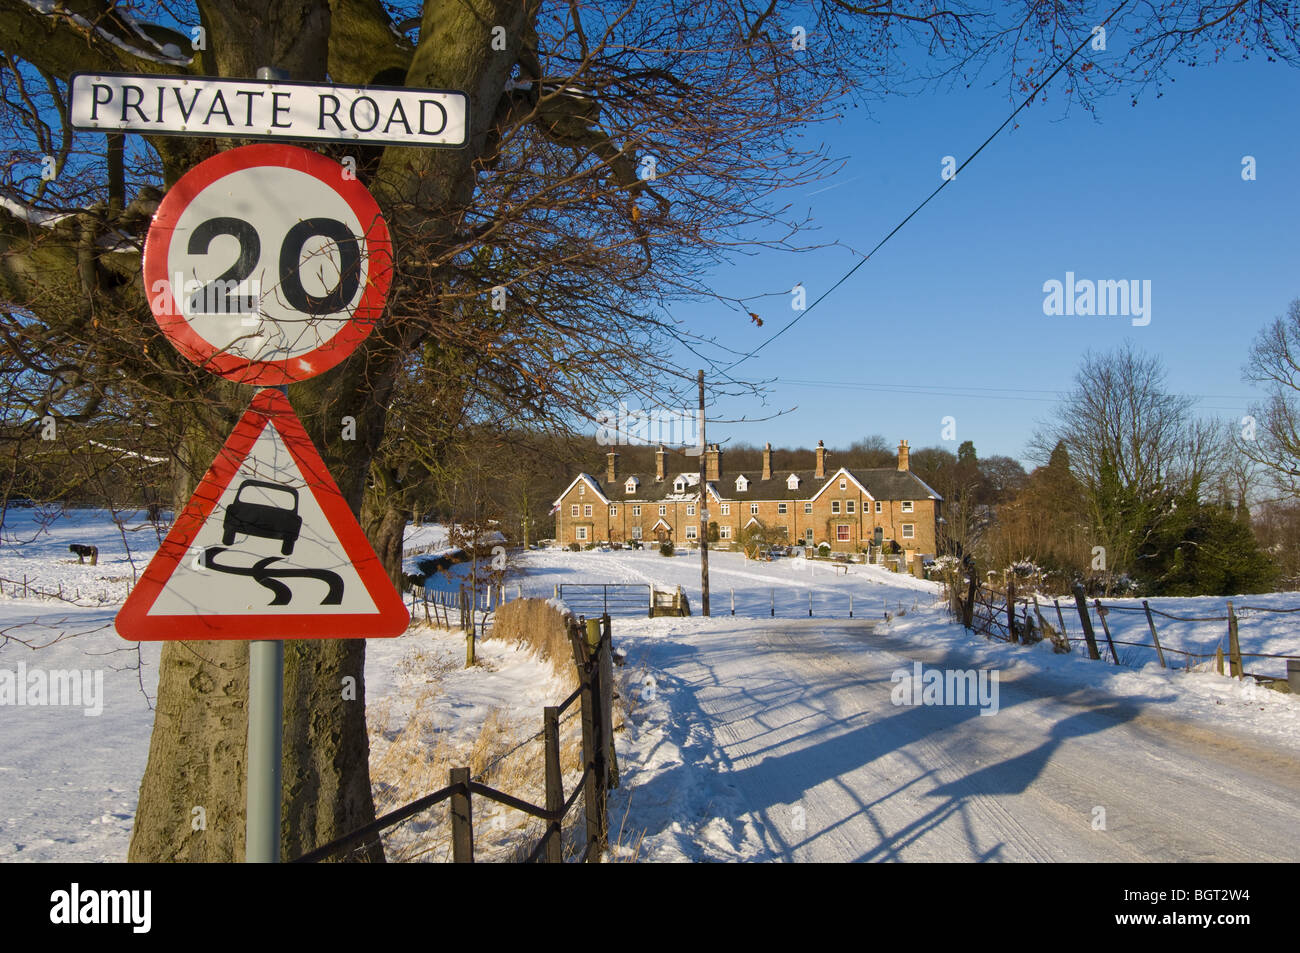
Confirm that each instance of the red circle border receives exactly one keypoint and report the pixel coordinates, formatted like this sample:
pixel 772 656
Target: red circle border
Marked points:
pixel 379 253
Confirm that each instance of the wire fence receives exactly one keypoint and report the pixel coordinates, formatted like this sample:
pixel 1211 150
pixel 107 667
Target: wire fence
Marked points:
pixel 1003 614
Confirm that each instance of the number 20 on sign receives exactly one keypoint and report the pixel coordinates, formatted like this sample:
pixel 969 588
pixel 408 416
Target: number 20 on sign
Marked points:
pixel 247 287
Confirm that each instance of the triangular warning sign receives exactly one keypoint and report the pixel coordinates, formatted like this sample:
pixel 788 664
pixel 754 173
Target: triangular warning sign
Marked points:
pixel 267 548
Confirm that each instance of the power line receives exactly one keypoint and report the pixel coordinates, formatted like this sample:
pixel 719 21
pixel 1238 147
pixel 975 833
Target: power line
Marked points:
pixel 897 228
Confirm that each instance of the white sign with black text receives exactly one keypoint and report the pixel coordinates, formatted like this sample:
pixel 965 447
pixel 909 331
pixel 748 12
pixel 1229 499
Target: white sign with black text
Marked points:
pixel 258 109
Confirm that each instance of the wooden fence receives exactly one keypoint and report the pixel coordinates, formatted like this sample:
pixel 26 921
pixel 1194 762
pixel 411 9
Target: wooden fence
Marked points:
pixel 593 655
pixel 1004 615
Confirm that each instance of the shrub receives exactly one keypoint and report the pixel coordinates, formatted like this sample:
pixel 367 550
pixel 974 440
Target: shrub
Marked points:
pixel 575 547
pixel 823 549
pixel 666 548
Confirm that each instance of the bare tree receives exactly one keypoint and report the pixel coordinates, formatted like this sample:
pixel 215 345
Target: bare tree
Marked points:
pixel 551 201
pixel 1132 445
pixel 1270 435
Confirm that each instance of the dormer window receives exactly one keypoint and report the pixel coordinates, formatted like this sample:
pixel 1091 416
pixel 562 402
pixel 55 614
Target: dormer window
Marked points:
pixel 741 484
pixel 679 485
pixel 630 486
pixel 792 482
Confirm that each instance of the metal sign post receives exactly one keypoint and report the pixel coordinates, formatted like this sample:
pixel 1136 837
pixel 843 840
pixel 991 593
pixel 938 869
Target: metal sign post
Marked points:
pixel 265 750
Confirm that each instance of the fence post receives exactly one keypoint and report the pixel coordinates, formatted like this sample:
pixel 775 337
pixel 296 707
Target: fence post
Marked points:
pixel 1011 609
pixel 587 675
pixel 773 603
pixel 554 784
pixel 1293 675
pixel 968 610
pixel 462 819
pixel 605 659
pixel 733 600
pixel 810 603
pixel 850 605
pixel 1081 602
pixel 1151 624
pixel 1061 619
pixel 1101 614
pixel 1234 647
pixel 426 606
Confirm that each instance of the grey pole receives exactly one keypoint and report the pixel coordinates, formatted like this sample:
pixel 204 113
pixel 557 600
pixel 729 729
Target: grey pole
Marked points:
pixel 265 750
pixel 265 746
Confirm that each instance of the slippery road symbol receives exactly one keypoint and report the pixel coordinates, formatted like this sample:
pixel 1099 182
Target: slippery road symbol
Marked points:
pixel 270 578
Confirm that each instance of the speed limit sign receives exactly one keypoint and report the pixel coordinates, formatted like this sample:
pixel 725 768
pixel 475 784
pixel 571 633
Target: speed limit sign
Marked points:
pixel 267 264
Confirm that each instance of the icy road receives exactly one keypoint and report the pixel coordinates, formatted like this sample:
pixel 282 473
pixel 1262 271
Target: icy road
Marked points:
pixel 781 739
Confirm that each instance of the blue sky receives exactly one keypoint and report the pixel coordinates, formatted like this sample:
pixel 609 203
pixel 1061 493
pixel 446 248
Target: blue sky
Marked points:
pixel 947 319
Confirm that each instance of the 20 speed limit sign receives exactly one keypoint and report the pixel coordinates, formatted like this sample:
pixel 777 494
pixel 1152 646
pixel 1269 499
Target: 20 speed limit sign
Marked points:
pixel 267 264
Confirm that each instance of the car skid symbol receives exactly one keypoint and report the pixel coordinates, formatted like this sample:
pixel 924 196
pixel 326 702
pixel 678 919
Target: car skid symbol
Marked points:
pixel 270 578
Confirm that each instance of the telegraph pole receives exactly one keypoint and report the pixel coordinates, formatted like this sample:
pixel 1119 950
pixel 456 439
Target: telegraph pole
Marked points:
pixel 704 508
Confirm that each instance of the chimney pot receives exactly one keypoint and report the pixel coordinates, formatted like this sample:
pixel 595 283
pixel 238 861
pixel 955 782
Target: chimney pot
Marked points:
pixel 821 460
pixel 904 453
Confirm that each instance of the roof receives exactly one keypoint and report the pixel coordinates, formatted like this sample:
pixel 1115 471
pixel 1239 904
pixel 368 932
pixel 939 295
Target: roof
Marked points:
pixel 882 483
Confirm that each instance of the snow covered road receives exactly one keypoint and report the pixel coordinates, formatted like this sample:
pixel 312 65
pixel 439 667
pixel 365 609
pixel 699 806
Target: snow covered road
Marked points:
pixel 811 759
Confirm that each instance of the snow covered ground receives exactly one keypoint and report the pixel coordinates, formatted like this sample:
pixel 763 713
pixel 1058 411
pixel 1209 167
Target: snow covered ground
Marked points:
pixel 700 692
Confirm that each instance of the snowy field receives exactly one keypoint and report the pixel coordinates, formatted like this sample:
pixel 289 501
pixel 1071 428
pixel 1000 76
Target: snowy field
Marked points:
pixel 69 780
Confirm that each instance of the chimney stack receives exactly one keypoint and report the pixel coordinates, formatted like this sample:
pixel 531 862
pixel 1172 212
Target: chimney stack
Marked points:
pixel 767 462
pixel 903 454
pixel 659 464
pixel 611 468
pixel 713 463
pixel 821 460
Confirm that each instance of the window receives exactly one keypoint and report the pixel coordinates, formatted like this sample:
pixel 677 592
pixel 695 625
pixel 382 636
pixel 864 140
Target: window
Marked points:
pixel 636 532
pixel 850 506
pixel 741 484
pixel 844 484
pixel 907 506
pixel 582 532
pixel 679 485
pixel 878 506
pixel 753 509
pixel 691 529
pixel 909 530
pixel 807 534
pixel 842 532
pixel 835 506
pixel 726 509
pixel 792 481
pixel 780 507
pixel 663 511
pixel 630 486
pixel 582 489
pixel 690 509
pixel 613 510
pixel 807 508
pixel 724 532
pixel 586 509
pixel 573 510
pixel 636 511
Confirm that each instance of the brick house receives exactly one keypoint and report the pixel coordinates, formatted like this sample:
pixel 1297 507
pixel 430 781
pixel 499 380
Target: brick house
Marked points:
pixel 848 509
